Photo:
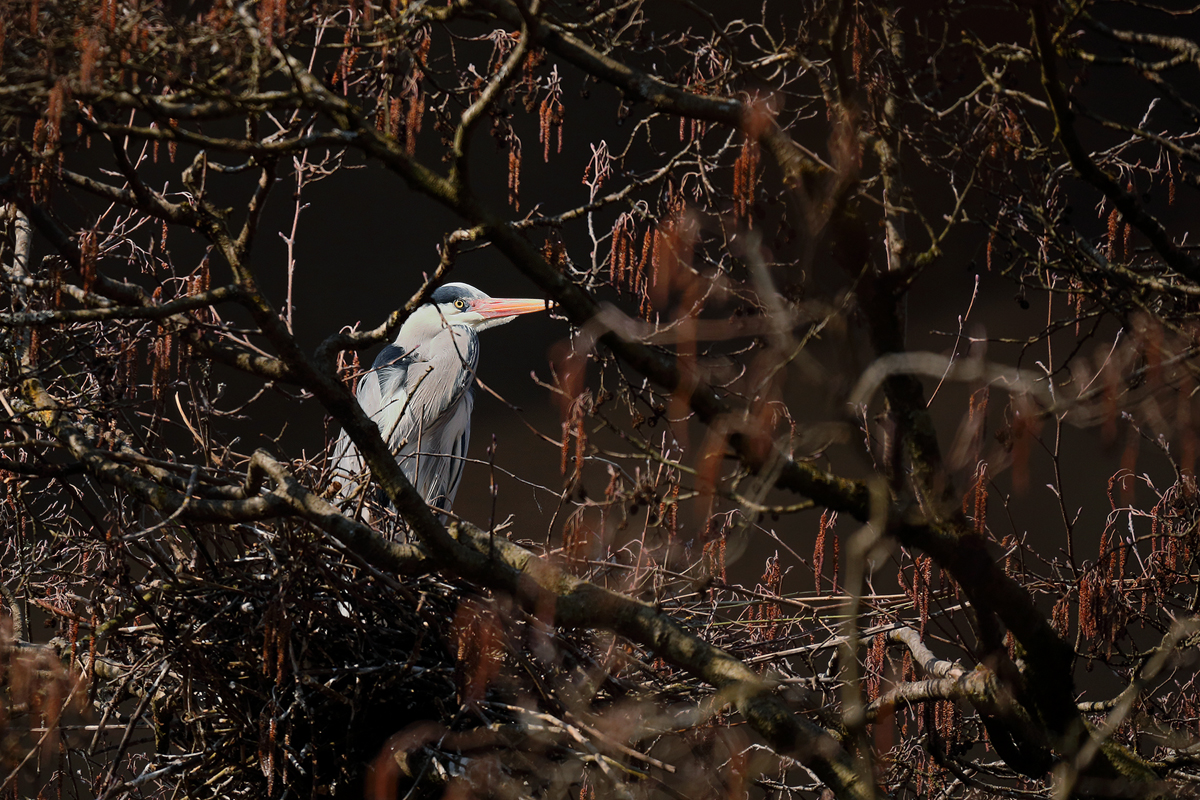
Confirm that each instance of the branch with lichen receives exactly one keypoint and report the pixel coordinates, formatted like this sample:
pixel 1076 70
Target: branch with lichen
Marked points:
pixel 539 585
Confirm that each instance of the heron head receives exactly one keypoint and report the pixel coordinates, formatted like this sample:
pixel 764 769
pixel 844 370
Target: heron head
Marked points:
pixel 461 304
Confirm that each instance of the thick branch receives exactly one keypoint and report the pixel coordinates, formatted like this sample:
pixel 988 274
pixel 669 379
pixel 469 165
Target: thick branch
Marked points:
pixel 391 556
pixel 152 311
pixel 539 585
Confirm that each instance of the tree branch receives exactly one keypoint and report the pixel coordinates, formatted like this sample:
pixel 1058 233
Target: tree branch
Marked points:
pixel 1064 128
pixel 539 586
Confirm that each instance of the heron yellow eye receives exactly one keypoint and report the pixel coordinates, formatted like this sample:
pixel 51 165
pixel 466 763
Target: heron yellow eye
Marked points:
pixel 460 304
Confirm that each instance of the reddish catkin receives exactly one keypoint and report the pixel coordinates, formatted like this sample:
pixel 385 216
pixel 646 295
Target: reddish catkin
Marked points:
pixel 1122 556
pixel 627 233
pixel 1113 503
pixel 661 234
pixel 940 714
pixel 130 365
pixel 1116 560
pixel 772 581
pixel 266 755
pixel 514 171
pixel 382 107
pixel 721 555
pixel 393 120
pixel 56 281
pixel 1171 562
pixel 640 285
pixel 266 20
pixel 343 65
pixel 745 179
pixel 615 272
pixel 818 559
pixel 412 122
pixel 1114 227
pixel 164 356
pixel 991 246
pixel 580 445
pixel 1087 615
pixel 88 252
pixel 544 128
pixel 351 58
pixel 39 134
pixel 89 56
pixel 159 357
pixel 54 111
pixel 981 498
pixel 836 554
pixel 550 116
pixel 566 445
pixel 921 576
pixel 714 552
pixel 1061 616
pixel 282 635
pixel 856 52
pixel 875 661
pixel 671 515
pixel 644 267
pixel 974 502
pixel 1127 230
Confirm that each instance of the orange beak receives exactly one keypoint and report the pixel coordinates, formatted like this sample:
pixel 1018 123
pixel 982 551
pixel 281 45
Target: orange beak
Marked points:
pixel 495 307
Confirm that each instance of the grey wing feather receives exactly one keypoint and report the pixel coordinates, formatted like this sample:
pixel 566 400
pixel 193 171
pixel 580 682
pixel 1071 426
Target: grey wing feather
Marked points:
pixel 386 376
pixel 391 371
pixel 439 427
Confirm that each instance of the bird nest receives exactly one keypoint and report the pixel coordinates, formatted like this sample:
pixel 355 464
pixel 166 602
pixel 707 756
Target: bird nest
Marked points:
pixel 274 663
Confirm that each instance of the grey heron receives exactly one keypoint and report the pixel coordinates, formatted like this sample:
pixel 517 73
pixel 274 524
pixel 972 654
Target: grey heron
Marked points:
pixel 420 391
